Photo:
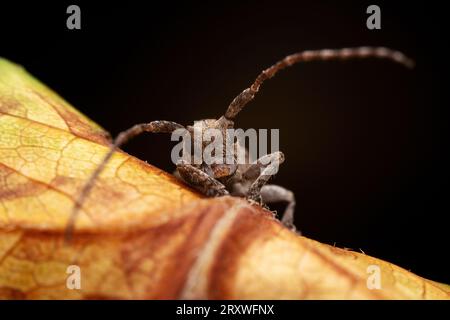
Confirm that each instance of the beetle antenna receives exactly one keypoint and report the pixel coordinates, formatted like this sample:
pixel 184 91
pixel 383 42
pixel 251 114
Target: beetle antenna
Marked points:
pixel 248 94
pixel 122 138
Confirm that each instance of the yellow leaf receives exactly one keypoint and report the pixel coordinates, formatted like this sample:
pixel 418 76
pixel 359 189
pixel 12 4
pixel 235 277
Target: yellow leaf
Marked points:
pixel 144 235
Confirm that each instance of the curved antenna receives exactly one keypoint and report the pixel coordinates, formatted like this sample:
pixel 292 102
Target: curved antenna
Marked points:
pixel 248 94
pixel 122 138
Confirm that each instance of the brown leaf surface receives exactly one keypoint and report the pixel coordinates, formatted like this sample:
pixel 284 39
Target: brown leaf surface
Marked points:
pixel 142 234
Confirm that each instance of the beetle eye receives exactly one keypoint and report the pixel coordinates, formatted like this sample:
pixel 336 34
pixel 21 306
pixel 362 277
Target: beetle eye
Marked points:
pixel 223 170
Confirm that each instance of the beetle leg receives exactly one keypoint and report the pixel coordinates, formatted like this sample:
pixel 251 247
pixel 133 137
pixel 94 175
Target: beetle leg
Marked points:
pixel 200 180
pixel 271 193
pixel 267 166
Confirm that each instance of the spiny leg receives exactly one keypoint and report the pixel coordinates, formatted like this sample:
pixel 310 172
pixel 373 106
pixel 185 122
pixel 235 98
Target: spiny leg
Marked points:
pixel 248 94
pixel 200 180
pixel 123 137
pixel 271 193
pixel 265 167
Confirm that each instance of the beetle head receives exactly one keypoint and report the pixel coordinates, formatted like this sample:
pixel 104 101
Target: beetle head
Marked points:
pixel 200 133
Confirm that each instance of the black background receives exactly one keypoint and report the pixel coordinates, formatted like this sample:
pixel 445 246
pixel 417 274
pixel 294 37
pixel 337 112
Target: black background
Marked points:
pixel 365 141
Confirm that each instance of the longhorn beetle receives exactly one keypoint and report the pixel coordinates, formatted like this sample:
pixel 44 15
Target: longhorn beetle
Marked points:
pixel 247 180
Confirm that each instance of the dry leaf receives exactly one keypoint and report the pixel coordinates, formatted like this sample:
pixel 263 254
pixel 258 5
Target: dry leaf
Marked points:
pixel 142 234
